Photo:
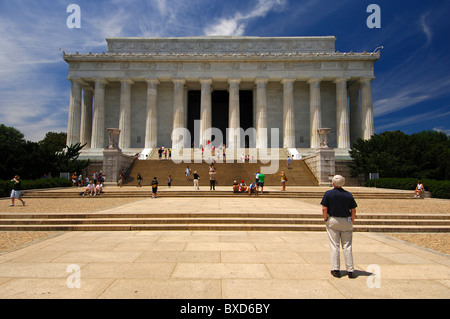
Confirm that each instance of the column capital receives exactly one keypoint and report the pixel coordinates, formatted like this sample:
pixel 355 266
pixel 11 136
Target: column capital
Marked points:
pixel 179 81
pixel 314 80
pixel 76 80
pixel 341 79
pixel 206 81
pixel 235 80
pixel 126 80
pixel 100 81
pixel 152 81
pixel 367 79
pixel 285 81
pixel 261 81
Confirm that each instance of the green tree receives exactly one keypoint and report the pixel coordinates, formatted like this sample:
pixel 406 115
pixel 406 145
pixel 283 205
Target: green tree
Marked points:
pixel 31 160
pixel 12 146
pixel 398 155
pixel 54 142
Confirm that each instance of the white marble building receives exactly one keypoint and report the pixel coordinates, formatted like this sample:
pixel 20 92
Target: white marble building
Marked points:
pixel 147 87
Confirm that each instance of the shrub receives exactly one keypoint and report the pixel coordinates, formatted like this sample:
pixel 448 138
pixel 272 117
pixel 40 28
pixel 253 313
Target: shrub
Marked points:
pixel 438 189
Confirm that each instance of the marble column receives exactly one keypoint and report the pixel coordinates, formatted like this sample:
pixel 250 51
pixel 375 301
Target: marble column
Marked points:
pixel 178 111
pixel 98 119
pixel 74 122
pixel 355 113
pixel 234 118
pixel 342 114
pixel 125 113
pixel 288 113
pixel 367 118
pixel 86 117
pixel 205 111
pixel 315 111
pixel 151 128
pixel 261 113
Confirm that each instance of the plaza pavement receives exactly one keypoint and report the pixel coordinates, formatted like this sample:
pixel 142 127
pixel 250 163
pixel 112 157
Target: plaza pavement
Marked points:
pixel 218 264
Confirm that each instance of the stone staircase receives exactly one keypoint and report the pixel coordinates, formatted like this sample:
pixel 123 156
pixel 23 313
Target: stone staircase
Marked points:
pixel 275 220
pixel 215 221
pixel 227 173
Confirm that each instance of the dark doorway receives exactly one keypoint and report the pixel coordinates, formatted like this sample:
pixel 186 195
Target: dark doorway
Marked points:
pixel 220 107
pixel 220 113
pixel 194 101
pixel 246 112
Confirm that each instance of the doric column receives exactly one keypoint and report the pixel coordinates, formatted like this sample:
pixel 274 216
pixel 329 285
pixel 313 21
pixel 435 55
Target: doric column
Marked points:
pixel 86 117
pixel 205 111
pixel 125 113
pixel 355 113
pixel 367 108
pixel 342 114
pixel 178 110
pixel 151 128
pixel 315 111
pixel 98 119
pixel 261 113
pixel 234 118
pixel 74 122
pixel 288 113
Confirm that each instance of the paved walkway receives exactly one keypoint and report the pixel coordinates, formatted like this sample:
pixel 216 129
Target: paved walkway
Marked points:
pixel 218 265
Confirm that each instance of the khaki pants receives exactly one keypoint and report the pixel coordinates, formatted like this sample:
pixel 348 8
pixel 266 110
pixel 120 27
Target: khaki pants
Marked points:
pixel 196 184
pixel 340 230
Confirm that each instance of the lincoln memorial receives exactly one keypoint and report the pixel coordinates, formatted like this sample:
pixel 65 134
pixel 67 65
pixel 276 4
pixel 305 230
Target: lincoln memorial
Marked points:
pixel 149 87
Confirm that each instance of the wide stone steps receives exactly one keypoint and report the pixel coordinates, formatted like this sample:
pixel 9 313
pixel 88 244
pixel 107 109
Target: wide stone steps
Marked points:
pixel 216 221
pixel 137 193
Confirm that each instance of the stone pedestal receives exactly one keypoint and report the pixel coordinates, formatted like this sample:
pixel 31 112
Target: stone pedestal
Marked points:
pixel 325 165
pixel 113 158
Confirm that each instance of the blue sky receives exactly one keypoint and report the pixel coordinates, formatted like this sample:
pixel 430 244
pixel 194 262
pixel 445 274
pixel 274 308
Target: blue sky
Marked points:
pixel 411 91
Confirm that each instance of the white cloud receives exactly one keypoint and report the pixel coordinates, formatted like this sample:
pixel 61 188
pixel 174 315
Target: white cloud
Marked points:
pixel 236 25
pixel 442 129
pixel 415 119
pixel 425 28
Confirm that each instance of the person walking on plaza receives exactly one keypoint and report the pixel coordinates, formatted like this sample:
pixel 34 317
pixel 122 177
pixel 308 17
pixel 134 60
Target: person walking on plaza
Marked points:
pixel 212 180
pixel 196 178
pixel 169 181
pixel 15 192
pixel 154 187
pixel 188 173
pixel 339 212
pixel 260 183
pixel 139 180
pixel 74 179
pixel 283 181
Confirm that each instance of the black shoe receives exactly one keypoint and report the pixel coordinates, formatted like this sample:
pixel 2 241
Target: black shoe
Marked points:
pixel 336 273
pixel 351 275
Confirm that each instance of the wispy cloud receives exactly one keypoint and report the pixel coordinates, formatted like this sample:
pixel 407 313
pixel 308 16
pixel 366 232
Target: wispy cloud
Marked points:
pixel 235 26
pixel 442 129
pixel 415 119
pixel 425 28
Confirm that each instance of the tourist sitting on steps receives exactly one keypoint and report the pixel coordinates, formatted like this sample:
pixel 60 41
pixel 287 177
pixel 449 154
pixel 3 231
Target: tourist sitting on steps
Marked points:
pixel 235 187
pixel 253 188
pixel 90 189
pixel 98 188
pixel 418 193
pixel 242 186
